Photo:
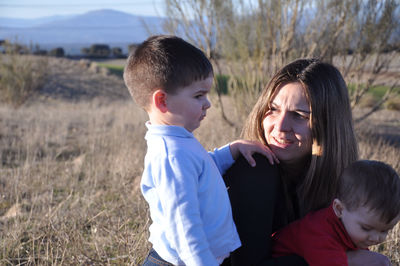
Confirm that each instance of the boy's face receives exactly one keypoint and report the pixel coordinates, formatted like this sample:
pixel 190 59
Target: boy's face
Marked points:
pixel 189 106
pixel 364 225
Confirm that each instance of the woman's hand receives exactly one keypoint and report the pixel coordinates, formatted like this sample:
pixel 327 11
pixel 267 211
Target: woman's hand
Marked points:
pixel 247 148
pixel 366 257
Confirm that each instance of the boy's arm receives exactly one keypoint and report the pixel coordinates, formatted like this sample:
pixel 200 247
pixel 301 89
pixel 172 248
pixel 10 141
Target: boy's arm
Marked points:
pixel 222 158
pixel 176 185
pixel 248 147
pixel 225 156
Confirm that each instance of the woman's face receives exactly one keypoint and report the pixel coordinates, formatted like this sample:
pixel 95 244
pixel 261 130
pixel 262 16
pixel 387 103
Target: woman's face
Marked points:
pixel 287 124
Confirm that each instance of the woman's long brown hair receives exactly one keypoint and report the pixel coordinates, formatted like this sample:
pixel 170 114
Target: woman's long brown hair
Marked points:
pixel 334 142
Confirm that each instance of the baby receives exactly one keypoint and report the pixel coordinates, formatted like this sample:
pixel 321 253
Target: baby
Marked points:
pixel 366 208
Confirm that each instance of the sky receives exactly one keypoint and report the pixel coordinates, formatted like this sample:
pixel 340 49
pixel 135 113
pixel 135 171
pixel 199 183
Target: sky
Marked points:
pixel 45 8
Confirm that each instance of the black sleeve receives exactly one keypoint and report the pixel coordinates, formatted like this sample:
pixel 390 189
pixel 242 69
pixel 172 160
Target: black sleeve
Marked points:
pixel 253 192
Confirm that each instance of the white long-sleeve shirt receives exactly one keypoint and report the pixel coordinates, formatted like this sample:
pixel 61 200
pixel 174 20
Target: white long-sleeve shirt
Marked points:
pixel 189 204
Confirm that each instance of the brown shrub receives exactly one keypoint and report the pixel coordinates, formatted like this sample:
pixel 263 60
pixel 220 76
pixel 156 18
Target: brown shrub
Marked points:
pixel 21 76
pixel 393 104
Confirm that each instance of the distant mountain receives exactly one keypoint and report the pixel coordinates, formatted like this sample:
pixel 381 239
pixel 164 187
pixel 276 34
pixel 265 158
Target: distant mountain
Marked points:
pixel 26 23
pixel 101 26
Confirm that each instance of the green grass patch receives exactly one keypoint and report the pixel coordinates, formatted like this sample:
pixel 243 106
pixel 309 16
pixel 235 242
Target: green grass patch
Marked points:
pixel 379 91
pixel 376 91
pixel 115 70
pixel 221 83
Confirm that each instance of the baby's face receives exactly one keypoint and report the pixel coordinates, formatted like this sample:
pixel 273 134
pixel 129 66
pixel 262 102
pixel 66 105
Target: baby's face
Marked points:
pixel 365 227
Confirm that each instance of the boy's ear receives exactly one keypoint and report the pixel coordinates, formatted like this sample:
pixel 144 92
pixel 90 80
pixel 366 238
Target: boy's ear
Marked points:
pixel 338 207
pixel 160 100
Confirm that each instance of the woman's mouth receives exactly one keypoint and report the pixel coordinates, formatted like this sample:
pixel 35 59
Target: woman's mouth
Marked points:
pixel 281 142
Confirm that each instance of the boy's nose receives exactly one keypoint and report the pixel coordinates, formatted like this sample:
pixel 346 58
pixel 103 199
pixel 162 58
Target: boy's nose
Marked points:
pixel 207 104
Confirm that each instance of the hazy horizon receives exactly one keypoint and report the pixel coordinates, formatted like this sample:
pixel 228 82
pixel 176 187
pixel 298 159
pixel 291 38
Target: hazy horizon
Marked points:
pixel 25 9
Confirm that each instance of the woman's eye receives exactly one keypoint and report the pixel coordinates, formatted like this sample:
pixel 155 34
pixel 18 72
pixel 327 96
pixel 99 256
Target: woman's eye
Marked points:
pixel 301 116
pixel 273 109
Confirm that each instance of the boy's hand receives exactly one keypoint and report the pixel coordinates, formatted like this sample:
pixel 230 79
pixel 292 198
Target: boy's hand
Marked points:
pixel 248 147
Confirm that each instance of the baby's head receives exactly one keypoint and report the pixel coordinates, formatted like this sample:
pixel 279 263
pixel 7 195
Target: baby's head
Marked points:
pixel 368 201
pixel 164 66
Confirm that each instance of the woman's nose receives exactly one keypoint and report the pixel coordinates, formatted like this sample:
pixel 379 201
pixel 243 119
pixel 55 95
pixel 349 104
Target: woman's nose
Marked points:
pixel 283 122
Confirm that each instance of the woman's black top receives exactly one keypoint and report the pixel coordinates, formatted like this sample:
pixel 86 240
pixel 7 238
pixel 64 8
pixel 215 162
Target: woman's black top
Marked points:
pixel 258 209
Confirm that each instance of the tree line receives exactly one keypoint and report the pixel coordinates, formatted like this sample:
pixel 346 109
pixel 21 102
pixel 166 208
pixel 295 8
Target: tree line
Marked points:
pixel 249 40
pixel 94 51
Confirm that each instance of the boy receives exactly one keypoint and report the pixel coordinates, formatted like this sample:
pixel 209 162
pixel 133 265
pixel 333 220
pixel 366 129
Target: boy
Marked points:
pixel 189 205
pixel 366 208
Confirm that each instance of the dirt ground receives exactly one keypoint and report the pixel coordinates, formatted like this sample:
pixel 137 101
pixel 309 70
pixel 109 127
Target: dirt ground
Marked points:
pixel 74 80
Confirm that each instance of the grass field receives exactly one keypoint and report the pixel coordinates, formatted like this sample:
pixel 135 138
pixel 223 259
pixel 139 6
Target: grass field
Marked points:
pixel 70 173
pixel 69 183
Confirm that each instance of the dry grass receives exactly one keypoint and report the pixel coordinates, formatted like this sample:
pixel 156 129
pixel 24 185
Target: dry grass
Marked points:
pixel 69 182
pixel 69 185
pixel 70 166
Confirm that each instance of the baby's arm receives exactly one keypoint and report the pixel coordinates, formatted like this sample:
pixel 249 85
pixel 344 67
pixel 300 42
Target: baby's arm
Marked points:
pixel 365 257
pixel 248 147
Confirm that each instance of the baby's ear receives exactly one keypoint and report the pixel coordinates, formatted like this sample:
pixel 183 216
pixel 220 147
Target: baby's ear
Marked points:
pixel 160 100
pixel 338 207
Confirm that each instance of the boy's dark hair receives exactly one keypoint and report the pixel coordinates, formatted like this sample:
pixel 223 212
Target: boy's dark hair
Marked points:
pixel 164 62
pixel 371 184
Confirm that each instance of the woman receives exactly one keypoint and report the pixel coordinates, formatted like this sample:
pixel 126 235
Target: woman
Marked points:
pixel 304 116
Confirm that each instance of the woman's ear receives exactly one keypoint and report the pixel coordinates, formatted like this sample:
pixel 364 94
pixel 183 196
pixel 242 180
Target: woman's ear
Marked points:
pixel 338 207
pixel 160 100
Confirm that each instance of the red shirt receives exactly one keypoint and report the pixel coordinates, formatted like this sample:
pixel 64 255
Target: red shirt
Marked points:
pixel 320 238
